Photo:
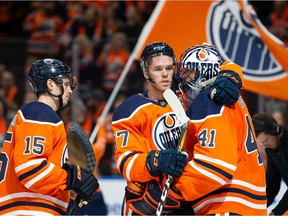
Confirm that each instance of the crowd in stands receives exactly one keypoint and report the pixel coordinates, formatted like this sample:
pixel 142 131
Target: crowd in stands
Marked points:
pixel 100 35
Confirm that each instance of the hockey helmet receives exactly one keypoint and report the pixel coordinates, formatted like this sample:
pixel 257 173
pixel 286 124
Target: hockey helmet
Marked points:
pixel 155 49
pixel 45 69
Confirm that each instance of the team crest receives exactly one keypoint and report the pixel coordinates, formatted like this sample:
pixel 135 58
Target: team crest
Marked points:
pixel 166 132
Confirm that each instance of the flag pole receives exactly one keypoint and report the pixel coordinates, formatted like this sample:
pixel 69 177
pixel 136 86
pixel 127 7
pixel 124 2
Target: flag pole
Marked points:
pixel 140 42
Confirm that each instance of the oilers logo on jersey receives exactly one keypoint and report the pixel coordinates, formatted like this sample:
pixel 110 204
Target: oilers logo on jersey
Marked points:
pixel 166 131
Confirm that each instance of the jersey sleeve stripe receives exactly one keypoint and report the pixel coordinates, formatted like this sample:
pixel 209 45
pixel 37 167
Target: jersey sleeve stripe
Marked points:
pixel 215 161
pixel 33 171
pixel 27 212
pixel 124 160
pixel 242 192
pixel 36 204
pixel 206 173
pixel 209 166
pixel 33 195
pixel 232 190
pixel 40 176
pixel 129 167
pixel 248 185
pixel 119 161
pixel 231 199
pixel 28 164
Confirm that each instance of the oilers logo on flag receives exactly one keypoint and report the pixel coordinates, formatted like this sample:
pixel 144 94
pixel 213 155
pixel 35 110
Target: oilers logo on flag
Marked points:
pixel 166 132
pixel 237 41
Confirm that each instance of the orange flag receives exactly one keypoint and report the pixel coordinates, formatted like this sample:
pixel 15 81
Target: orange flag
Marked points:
pixel 235 29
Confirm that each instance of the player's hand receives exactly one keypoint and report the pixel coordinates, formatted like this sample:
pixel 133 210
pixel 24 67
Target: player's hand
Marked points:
pixel 226 88
pixel 81 181
pixel 167 161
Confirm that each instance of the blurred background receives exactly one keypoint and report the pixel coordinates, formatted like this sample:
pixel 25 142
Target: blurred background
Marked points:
pixel 96 38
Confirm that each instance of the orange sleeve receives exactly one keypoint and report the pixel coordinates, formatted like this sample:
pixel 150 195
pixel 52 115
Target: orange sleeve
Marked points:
pixel 233 67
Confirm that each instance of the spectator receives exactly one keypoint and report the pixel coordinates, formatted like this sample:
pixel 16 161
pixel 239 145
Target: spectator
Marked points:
pixel 11 15
pixel 74 12
pixel 274 139
pixel 43 27
pixel 95 102
pixel 113 60
pixel 279 20
pixel 9 93
pixel 3 68
pixel 132 26
pixel 3 122
pixel 89 74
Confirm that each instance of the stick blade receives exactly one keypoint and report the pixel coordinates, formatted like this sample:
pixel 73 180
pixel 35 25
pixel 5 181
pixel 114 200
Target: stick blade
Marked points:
pixel 176 106
pixel 81 147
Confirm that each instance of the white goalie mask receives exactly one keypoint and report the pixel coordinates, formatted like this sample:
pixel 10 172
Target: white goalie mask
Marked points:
pixel 197 65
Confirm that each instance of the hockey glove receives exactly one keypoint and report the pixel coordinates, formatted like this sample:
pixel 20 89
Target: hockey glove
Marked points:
pixel 148 203
pixel 226 88
pixel 167 161
pixel 81 181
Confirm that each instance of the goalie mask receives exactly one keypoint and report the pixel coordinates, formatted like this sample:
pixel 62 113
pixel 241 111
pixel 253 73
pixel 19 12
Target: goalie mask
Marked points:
pixel 197 65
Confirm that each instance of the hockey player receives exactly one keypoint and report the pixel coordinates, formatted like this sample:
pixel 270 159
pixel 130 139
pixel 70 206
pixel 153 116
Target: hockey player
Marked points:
pixel 35 177
pixel 147 134
pixel 225 174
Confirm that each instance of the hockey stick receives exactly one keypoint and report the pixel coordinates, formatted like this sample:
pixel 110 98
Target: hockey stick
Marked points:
pixel 80 152
pixel 179 111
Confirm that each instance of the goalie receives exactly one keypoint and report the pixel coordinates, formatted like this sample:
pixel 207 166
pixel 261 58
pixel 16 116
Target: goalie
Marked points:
pixel 225 174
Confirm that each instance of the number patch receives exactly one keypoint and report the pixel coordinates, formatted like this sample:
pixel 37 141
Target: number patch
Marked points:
pixel 34 145
pixel 207 139
pixel 123 135
pixel 3 165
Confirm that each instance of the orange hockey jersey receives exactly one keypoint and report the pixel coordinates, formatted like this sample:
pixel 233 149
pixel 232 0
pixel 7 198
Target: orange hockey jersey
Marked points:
pixel 31 178
pixel 225 172
pixel 141 125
